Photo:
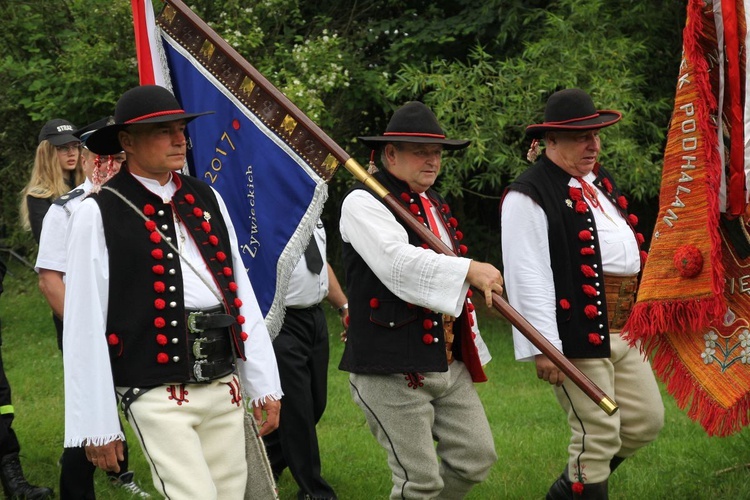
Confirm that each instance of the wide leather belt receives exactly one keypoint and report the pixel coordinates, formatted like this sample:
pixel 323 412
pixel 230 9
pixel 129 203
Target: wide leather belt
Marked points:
pixel 449 336
pixel 620 292
pixel 210 345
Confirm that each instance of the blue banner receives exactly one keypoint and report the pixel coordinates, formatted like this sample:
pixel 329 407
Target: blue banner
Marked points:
pixel 274 197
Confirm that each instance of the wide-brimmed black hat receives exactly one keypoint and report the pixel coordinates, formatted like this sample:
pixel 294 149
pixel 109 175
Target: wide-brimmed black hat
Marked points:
pixel 413 122
pixel 58 132
pixel 144 104
pixel 571 110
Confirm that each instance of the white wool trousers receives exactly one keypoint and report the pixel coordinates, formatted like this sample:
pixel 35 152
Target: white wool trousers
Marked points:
pixel 596 437
pixel 193 438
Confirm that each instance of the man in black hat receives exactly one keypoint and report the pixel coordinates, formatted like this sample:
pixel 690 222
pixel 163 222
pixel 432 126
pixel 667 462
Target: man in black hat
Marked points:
pixel 565 222
pixel 159 307
pixel 411 348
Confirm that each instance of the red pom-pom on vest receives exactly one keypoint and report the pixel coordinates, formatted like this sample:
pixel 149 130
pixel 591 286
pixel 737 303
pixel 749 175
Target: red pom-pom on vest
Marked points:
pixel 162 358
pixel 427 338
pixel 221 256
pixel 595 338
pixel 577 488
pixel 591 311
pixel 160 304
pixel 190 198
pixel 155 237
pixel 150 225
pixel 581 207
pixel 159 322
pixel 607 185
pixel 149 209
pixel 157 253
pixel 113 339
pixel 584 235
pixel 622 201
pixel 161 339
pixel 588 271
pixel 589 290
pixel 374 303
pixel 197 212
pixel 564 304
pixel 576 194
pixel 159 286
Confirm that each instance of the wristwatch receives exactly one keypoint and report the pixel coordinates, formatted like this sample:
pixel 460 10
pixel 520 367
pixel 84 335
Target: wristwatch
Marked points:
pixel 343 308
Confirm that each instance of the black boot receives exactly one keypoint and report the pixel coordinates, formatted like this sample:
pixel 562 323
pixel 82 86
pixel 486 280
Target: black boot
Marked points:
pixel 615 463
pixel 15 485
pixel 565 489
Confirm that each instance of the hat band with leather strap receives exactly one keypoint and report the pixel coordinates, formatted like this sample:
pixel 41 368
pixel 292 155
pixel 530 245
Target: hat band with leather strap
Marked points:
pixel 620 292
pixel 415 134
pixel 153 115
pixel 573 120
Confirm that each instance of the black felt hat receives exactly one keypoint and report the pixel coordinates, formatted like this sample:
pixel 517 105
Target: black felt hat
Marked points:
pixel 144 104
pixel 413 122
pixel 571 110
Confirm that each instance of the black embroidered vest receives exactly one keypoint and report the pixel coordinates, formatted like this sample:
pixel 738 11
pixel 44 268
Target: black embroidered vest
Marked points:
pixel 386 334
pixel 575 256
pixel 146 330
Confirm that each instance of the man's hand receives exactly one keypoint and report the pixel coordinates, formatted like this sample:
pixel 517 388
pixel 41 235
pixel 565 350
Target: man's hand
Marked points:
pixel 486 278
pixel 547 370
pixel 106 457
pixel 272 409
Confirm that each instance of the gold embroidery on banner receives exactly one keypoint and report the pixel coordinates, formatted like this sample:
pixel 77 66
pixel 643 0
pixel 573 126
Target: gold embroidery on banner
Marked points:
pixel 207 50
pixel 169 13
pixel 330 164
pixel 289 124
pixel 247 86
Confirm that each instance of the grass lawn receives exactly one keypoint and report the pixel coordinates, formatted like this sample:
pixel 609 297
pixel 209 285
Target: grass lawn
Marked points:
pixel 528 426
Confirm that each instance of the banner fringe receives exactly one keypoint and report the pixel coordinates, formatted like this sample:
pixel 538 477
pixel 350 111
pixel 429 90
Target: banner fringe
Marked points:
pixel 692 397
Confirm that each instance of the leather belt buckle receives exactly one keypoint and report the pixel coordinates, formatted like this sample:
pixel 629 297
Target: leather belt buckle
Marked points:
pixel 198 371
pixel 192 321
pixel 197 351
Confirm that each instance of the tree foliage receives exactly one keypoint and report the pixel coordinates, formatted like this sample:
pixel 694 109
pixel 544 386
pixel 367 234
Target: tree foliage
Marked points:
pixel 485 68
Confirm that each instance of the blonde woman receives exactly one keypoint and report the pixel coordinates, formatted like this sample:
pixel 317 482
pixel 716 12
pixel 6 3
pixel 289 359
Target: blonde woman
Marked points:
pixel 57 170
